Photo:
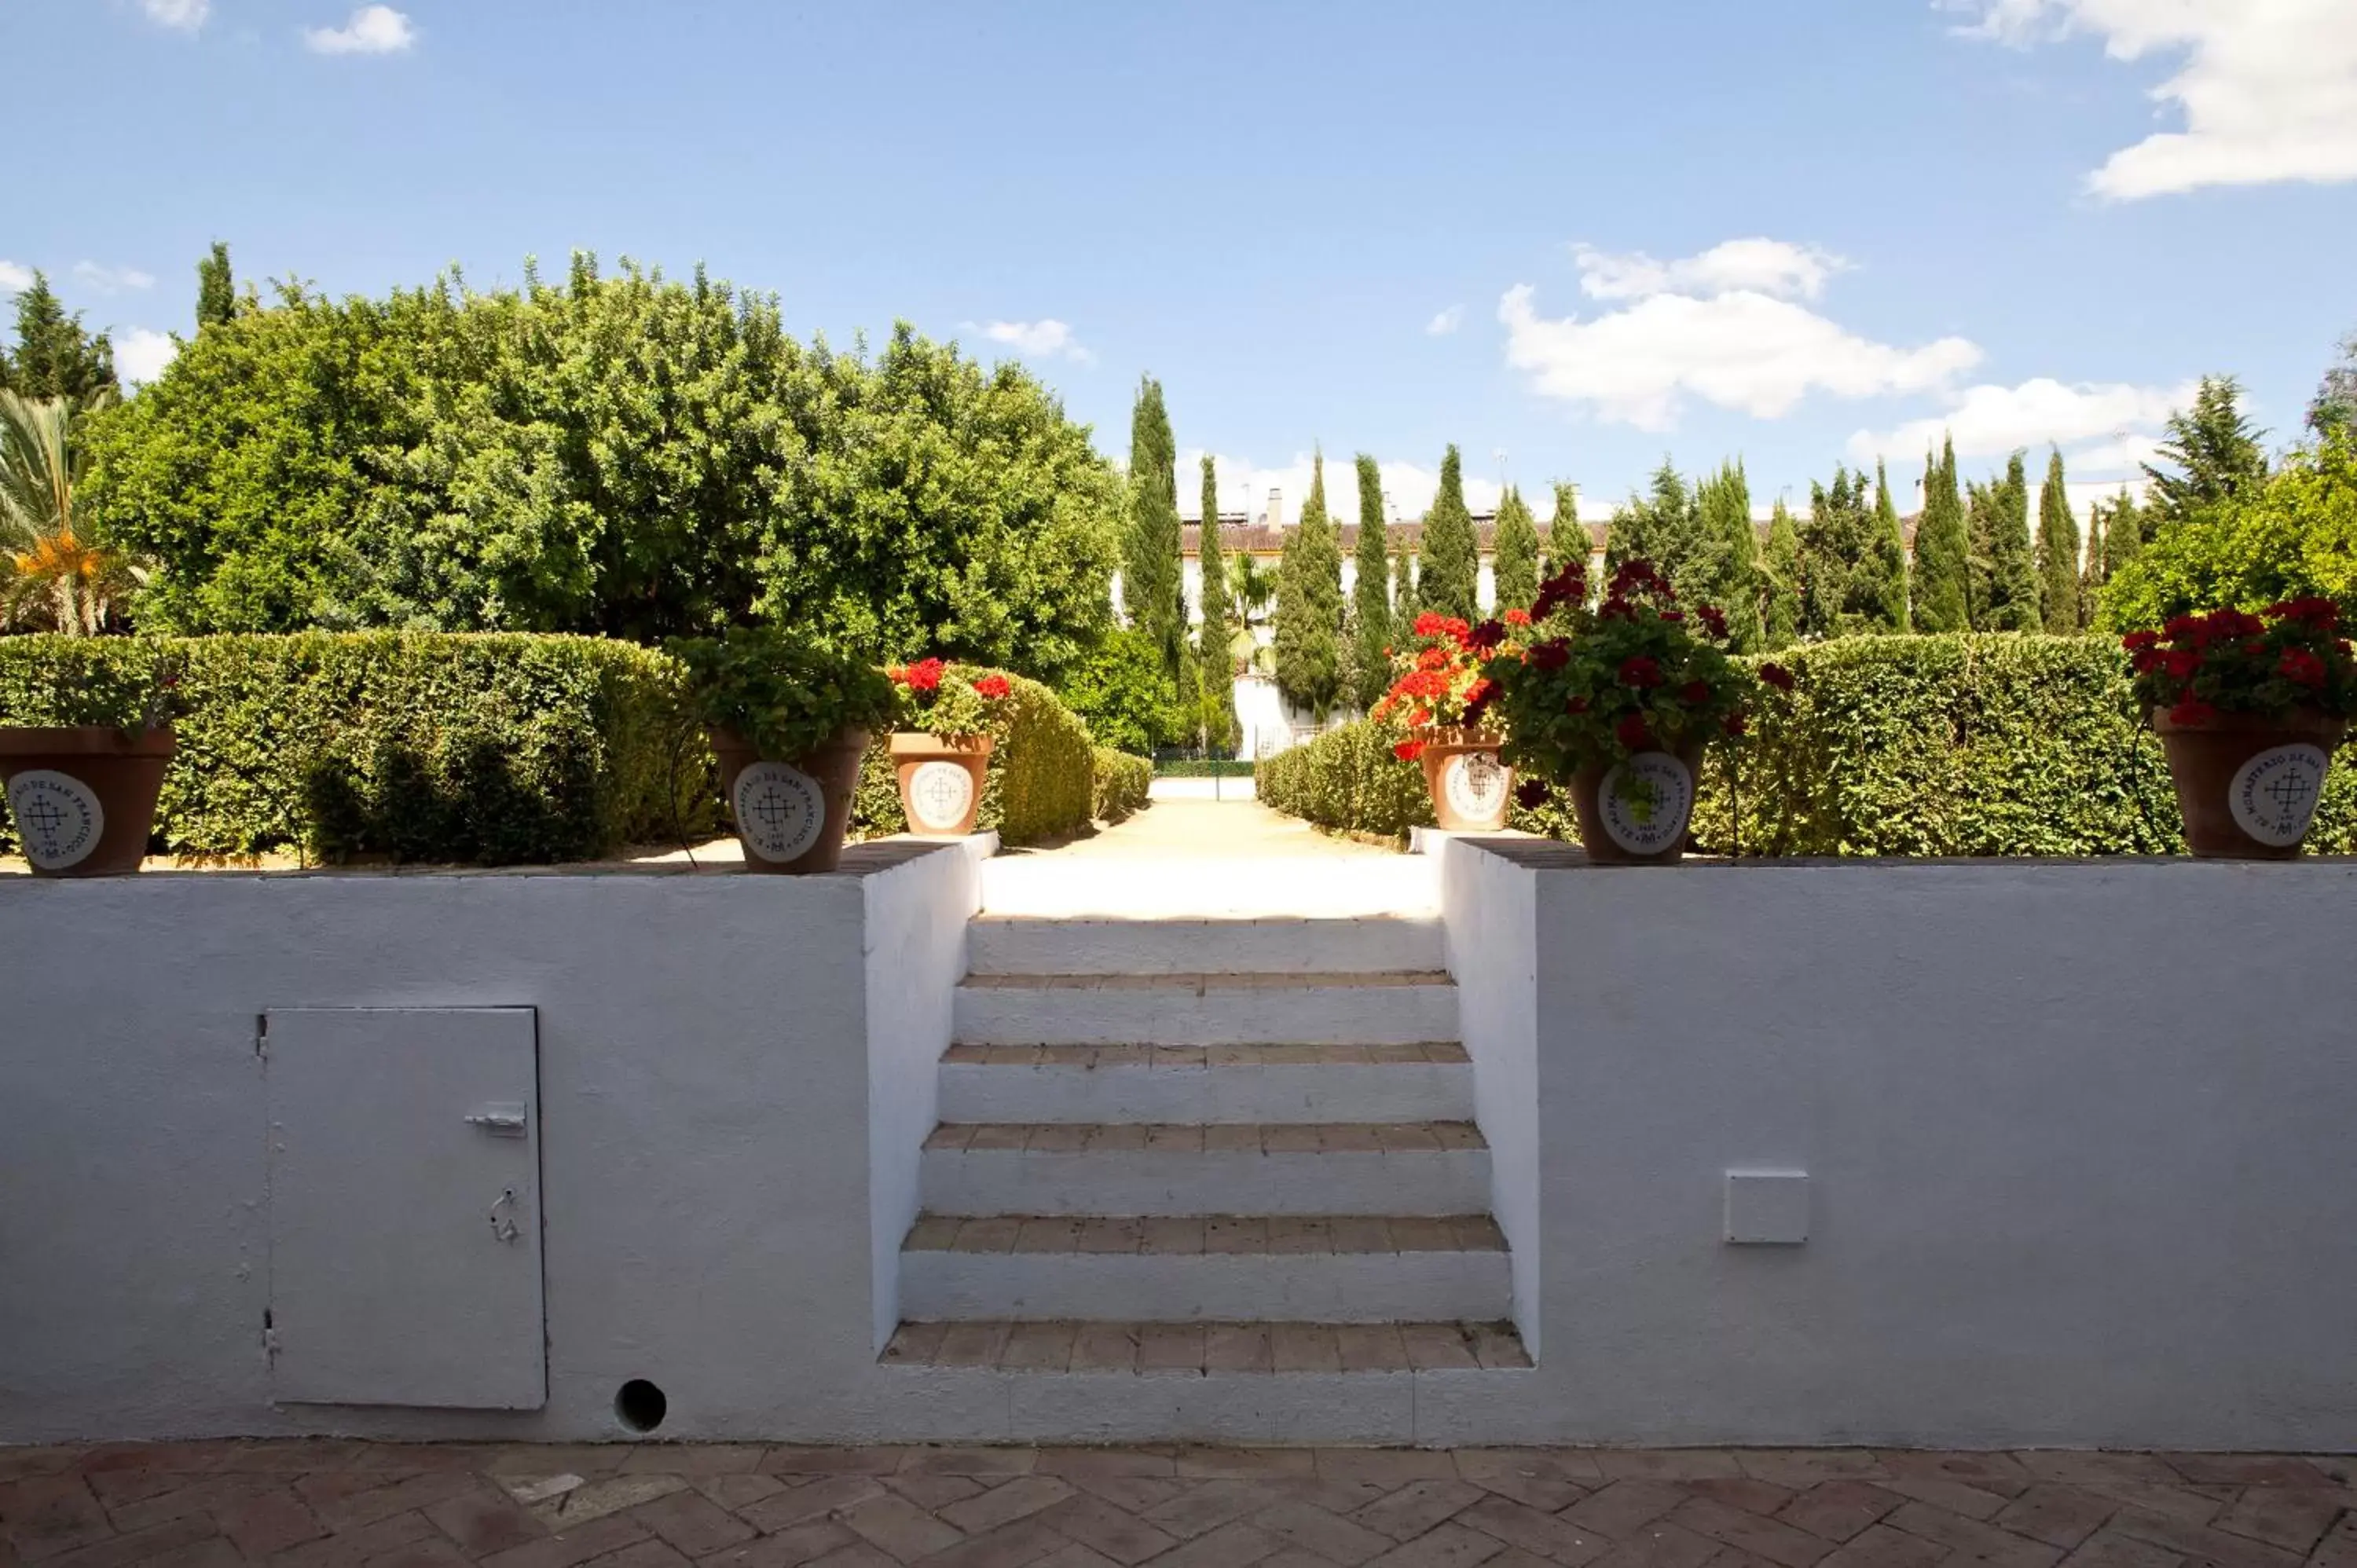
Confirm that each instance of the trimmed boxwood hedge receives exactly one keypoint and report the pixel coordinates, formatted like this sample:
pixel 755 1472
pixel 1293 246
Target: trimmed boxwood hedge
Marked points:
pixel 1960 745
pixel 1123 783
pixel 488 750
pixel 1040 783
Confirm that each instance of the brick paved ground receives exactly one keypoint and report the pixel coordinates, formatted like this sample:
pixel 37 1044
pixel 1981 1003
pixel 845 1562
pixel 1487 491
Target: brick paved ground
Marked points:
pixel 354 1505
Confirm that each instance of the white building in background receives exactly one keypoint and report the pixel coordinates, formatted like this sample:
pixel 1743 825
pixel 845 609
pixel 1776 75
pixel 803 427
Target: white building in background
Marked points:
pixel 1266 722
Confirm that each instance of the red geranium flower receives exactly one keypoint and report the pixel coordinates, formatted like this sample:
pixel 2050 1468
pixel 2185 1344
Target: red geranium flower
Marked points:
pixel 2191 710
pixel 1429 623
pixel 1552 654
pixel 1632 733
pixel 1735 723
pixel 1713 621
pixel 924 676
pixel 1517 618
pixel 1486 636
pixel 1776 675
pixel 1674 615
pixel 1574 704
pixel 994 687
pixel 1640 672
pixel 1694 694
pixel 2179 663
pixel 2300 665
pixel 1408 750
pixel 2137 642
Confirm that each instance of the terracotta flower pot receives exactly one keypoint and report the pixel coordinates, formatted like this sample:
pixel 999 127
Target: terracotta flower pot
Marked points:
pixel 941 781
pixel 83 798
pixel 791 816
pixel 1470 788
pixel 1637 813
pixel 2247 786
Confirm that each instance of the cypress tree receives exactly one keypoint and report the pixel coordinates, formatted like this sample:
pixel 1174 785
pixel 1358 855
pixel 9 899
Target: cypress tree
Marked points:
pixel 1402 598
pixel 1723 500
pixel 2058 551
pixel 2091 573
pixel 1665 527
pixel 1942 550
pixel 1370 600
pixel 2013 569
pixel 216 290
pixel 1309 606
pixel 1152 588
pixel 1566 536
pixel 1516 574
pixel 1214 658
pixel 1843 587
pixel 1448 566
pixel 2124 533
pixel 1887 587
pixel 54 357
pixel 1783 575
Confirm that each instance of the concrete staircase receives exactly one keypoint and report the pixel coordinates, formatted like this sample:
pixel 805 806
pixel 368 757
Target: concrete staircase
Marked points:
pixel 1214 1147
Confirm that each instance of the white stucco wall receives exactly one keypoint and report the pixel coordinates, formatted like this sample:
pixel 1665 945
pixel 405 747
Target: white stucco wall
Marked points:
pixel 2077 1137
pixel 706 1092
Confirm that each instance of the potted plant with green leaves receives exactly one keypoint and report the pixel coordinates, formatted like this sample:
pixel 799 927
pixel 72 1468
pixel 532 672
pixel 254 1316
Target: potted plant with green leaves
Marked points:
pixel 788 720
pixel 82 792
pixel 1614 702
pixel 941 763
pixel 2248 708
pixel 1437 698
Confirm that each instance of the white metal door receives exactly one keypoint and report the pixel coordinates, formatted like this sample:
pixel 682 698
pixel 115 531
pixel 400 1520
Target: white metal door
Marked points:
pixel 404 1207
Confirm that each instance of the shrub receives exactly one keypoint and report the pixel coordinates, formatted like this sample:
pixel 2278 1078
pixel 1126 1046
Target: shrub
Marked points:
pixel 1040 781
pixel 1123 782
pixel 1125 695
pixel 1955 744
pixel 492 749
pixel 1203 768
pixel 783 694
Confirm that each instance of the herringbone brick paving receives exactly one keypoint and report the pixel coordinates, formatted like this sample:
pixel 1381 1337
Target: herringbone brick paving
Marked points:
pixel 336 1504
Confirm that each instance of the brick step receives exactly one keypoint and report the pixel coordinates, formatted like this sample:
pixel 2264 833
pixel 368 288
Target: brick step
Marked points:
pixel 1215 1268
pixel 1205 1009
pixel 1412 1081
pixel 1209 1349
pixel 1267 1168
pixel 1022 944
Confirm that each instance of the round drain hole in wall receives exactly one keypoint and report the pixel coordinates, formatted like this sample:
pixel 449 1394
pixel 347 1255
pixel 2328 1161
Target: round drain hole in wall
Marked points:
pixel 640 1405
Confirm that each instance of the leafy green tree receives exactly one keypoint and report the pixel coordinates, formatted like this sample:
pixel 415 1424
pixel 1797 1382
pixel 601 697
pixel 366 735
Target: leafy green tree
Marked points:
pixel 1723 501
pixel 2335 408
pixel 1783 572
pixel 1309 606
pixel 1942 551
pixel 1370 600
pixel 2012 590
pixel 216 289
pixel 2123 536
pixel 2212 455
pixel 627 455
pixel 2293 536
pixel 1214 660
pixel 53 357
pixel 1128 700
pixel 2057 551
pixel 1566 536
pixel 1152 588
pixel 1665 527
pixel 1448 566
pixel 1852 571
pixel 1515 550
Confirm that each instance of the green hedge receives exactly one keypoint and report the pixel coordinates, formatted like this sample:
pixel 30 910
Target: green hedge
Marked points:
pixel 1962 744
pixel 1041 781
pixel 489 750
pixel 1123 783
pixel 1204 767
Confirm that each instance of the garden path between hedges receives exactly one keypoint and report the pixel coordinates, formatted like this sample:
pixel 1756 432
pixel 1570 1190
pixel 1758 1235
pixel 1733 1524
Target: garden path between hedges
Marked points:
pixel 340 1504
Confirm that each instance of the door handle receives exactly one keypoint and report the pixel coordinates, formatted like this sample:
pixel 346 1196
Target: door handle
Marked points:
pixel 498 1121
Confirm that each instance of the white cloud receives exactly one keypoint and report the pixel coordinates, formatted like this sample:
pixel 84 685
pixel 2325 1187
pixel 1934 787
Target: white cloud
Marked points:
pixel 1740 350
pixel 185 15
pixel 2102 427
pixel 141 354
pixel 1447 321
pixel 1763 266
pixel 111 280
pixel 14 277
pixel 373 30
pixel 2266 89
pixel 1045 339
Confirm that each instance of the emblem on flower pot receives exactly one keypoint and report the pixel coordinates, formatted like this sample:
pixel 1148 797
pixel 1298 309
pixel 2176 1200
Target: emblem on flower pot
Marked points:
pixel 2249 709
pixel 1470 788
pixel 1614 702
pixel 941 767
pixel 791 816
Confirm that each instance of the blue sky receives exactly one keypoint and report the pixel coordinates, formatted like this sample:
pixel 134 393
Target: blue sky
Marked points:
pixel 1580 234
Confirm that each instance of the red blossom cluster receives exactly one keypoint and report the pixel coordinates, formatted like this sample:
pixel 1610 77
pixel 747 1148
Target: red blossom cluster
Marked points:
pixel 2290 656
pixel 1439 682
pixel 994 687
pixel 925 675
